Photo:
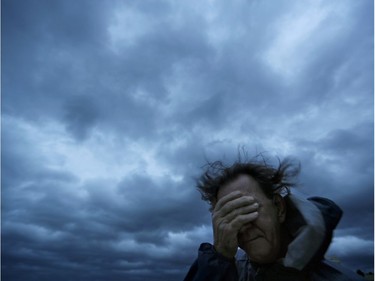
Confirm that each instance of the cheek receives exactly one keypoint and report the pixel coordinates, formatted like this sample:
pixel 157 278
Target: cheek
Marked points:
pixel 271 229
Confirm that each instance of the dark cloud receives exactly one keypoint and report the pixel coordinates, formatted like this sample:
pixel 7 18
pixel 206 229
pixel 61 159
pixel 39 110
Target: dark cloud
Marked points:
pixel 61 231
pixel 81 115
pixel 54 224
pixel 40 47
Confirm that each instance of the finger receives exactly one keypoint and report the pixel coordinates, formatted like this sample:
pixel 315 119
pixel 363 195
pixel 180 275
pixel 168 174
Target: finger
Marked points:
pixel 241 220
pixel 229 197
pixel 241 211
pixel 235 204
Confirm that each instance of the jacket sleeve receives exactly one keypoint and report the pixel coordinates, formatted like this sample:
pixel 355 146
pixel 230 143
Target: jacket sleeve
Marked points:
pixel 211 266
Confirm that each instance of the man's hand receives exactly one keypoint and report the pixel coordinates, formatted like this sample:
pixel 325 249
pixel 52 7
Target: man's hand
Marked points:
pixel 231 212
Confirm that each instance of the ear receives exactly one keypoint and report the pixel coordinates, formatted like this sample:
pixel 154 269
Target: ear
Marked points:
pixel 279 202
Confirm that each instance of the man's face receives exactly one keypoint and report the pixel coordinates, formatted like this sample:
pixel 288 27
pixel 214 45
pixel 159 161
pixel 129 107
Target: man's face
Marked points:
pixel 260 239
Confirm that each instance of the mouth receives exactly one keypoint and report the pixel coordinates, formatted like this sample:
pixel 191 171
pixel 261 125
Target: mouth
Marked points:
pixel 254 238
pixel 251 239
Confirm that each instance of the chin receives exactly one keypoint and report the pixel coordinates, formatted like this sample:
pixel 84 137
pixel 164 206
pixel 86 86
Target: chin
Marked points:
pixel 261 260
pixel 261 254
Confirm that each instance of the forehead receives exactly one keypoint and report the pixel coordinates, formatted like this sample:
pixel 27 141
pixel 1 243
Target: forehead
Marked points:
pixel 244 183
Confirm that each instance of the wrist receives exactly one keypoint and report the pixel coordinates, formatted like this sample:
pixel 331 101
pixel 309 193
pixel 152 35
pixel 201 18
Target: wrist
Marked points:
pixel 210 249
pixel 223 252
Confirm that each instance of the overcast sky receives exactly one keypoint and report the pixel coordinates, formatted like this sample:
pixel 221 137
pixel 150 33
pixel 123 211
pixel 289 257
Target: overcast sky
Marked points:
pixel 110 108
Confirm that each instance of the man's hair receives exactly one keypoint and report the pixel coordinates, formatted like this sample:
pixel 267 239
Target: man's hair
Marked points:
pixel 272 180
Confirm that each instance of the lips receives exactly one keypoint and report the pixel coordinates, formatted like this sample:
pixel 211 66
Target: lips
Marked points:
pixel 244 241
pixel 254 238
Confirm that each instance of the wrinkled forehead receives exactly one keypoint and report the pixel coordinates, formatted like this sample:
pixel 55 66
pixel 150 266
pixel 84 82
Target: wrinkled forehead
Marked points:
pixel 243 183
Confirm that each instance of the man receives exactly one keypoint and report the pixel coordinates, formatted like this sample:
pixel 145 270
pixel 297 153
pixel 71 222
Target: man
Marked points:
pixel 282 237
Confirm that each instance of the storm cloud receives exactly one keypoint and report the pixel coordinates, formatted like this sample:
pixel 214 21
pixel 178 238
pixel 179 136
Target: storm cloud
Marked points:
pixel 111 108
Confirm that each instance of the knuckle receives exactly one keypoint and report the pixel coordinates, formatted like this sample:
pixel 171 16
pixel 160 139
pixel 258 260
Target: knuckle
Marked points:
pixel 222 226
pixel 215 217
pixel 227 207
pixel 228 228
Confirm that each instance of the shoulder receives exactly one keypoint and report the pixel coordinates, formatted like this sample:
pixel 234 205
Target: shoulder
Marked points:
pixel 329 271
pixel 332 213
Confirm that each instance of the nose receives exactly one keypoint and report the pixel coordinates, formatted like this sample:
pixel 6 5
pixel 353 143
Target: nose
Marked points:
pixel 243 233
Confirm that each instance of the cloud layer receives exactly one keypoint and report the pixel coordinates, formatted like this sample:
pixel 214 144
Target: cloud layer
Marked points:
pixel 111 108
